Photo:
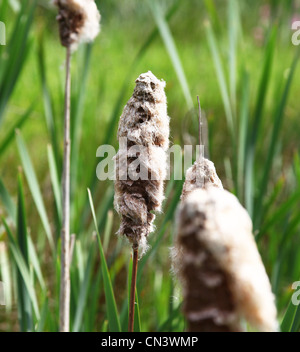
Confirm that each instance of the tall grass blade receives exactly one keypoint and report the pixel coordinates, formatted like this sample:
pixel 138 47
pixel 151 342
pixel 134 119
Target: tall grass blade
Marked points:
pixel 279 214
pixel 111 307
pixel 48 104
pixel 169 42
pixel 107 230
pixel 289 318
pixel 43 317
pixel 263 85
pixel 24 304
pixel 296 322
pixel 94 295
pixel 77 115
pixel 34 260
pixel 233 21
pixel 16 54
pixel 8 203
pixel 55 182
pixel 221 78
pixel 213 14
pixel 243 126
pixel 256 124
pixel 11 133
pixel 279 115
pixel 12 212
pixel 167 325
pixel 19 249
pixel 84 289
pixel 34 186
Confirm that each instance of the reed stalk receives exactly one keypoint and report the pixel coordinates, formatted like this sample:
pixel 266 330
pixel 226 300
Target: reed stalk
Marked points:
pixel 78 23
pixel 64 312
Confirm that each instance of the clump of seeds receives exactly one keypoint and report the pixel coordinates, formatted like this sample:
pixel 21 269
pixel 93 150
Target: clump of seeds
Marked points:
pixel 141 160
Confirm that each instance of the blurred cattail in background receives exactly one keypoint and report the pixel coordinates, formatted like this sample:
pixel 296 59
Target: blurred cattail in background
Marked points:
pixel 221 271
pixel 141 164
pixel 200 175
pixel 78 23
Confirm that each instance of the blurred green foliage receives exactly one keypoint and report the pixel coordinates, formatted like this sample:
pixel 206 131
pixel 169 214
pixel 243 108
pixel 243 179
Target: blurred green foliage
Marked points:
pixel 236 55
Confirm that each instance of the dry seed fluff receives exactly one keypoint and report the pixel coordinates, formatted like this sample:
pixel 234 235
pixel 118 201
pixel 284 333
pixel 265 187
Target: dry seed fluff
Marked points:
pixel 202 174
pixel 79 21
pixel 144 124
pixel 221 271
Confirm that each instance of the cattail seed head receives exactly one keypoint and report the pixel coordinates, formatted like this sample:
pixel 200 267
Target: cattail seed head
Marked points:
pixel 222 273
pixel 141 161
pixel 79 21
pixel 202 174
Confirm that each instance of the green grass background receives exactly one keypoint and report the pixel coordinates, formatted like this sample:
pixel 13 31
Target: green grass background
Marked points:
pixel 236 55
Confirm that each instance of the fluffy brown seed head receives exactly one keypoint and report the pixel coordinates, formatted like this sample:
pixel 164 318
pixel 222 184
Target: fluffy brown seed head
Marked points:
pixel 79 21
pixel 144 120
pixel 222 273
pixel 145 125
pixel 200 175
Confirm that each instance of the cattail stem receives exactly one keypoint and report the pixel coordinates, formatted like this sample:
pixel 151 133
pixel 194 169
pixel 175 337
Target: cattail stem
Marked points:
pixel 132 289
pixel 64 313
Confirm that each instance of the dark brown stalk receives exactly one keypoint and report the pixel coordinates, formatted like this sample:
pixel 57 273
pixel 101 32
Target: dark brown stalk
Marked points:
pixel 132 289
pixel 64 311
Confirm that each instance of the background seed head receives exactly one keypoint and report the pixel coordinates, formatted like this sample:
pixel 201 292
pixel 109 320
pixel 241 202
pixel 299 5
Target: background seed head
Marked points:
pixel 79 21
pixel 200 175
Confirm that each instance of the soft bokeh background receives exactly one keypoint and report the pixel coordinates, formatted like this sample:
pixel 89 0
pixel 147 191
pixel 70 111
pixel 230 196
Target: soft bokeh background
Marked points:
pixel 236 55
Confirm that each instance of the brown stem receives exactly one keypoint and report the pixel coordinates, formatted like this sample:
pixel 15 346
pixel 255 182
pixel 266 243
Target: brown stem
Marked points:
pixel 132 289
pixel 64 301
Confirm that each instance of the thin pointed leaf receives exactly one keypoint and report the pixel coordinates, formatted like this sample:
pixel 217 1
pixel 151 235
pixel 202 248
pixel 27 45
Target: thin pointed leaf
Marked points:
pixel 279 115
pixel 289 317
pixel 43 317
pixel 11 134
pixel 113 318
pixel 55 181
pixel 83 293
pixel 169 42
pixel 34 186
pixel 21 265
pixel 48 103
pixel 35 263
pixel 221 78
pixel 8 202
